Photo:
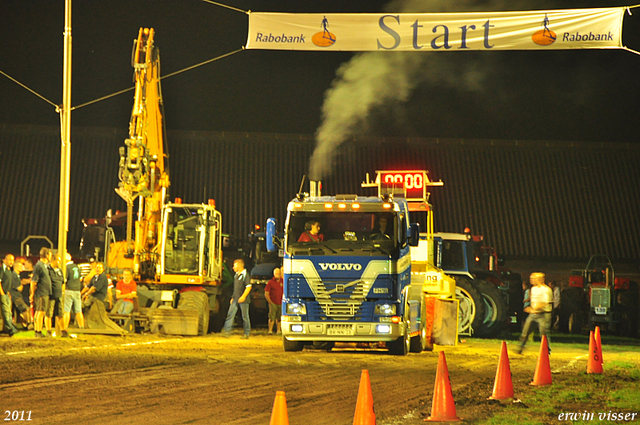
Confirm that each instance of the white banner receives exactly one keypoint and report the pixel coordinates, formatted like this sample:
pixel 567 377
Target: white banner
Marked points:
pixel 439 32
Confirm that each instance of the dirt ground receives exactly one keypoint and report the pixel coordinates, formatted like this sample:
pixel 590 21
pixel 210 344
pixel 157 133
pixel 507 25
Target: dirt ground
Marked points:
pixel 156 379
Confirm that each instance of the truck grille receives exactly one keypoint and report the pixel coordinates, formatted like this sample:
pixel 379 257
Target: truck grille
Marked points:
pixel 337 312
pixel 339 299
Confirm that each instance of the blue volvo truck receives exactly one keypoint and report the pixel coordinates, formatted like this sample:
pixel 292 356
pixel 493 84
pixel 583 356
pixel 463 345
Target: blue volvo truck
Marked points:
pixel 349 274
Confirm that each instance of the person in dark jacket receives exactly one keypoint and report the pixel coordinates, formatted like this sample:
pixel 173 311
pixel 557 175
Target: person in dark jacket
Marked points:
pixel 55 299
pixel 241 298
pixel 40 290
pixel 6 278
pixel 16 295
pixel 97 288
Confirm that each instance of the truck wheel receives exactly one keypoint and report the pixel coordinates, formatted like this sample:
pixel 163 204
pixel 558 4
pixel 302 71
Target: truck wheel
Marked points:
pixel 495 314
pixel 400 347
pixel 419 342
pixel 471 311
pixel 198 301
pixel 292 345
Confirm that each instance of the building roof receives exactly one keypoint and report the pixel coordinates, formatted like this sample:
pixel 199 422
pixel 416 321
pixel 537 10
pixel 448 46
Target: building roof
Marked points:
pixel 536 200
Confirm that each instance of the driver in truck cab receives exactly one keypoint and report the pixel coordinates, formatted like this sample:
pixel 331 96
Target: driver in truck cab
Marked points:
pixel 311 232
pixel 383 228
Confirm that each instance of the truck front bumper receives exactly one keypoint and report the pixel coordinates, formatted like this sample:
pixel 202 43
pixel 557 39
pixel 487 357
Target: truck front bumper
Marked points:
pixel 341 331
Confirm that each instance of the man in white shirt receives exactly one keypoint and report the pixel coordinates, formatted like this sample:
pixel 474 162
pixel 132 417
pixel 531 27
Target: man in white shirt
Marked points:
pixel 539 310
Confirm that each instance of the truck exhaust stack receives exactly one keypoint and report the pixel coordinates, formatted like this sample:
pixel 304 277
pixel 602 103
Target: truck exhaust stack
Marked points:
pixel 315 188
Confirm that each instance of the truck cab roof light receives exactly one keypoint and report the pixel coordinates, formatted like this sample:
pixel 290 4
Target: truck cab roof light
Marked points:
pixel 355 206
pixel 342 206
pixel 386 206
pixel 328 206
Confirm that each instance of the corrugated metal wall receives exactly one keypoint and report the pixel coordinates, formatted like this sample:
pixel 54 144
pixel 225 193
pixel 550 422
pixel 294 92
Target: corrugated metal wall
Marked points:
pixel 530 199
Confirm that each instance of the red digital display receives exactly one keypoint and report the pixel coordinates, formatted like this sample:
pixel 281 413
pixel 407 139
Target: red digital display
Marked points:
pixel 412 181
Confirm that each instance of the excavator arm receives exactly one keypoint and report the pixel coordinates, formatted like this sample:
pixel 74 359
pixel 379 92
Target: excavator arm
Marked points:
pixel 142 171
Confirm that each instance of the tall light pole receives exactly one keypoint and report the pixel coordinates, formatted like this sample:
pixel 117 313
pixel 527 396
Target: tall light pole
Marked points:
pixel 65 135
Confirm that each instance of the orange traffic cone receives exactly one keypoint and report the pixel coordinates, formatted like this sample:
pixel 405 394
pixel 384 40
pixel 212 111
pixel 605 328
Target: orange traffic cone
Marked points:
pixel 542 375
pixel 503 385
pixel 594 364
pixel 279 414
pixel 365 414
pixel 443 408
pixel 599 344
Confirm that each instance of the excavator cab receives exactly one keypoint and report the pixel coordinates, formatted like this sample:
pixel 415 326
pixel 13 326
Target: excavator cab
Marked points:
pixel 191 242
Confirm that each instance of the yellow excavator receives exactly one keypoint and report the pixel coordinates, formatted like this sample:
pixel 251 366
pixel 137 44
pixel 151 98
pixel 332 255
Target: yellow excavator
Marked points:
pixel 173 248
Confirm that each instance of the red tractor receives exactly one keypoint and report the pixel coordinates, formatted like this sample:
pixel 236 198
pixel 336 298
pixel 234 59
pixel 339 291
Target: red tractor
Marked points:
pixel 597 297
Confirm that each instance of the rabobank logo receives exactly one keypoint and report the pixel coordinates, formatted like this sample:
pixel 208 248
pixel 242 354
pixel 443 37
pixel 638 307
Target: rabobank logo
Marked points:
pixel 324 38
pixel 544 37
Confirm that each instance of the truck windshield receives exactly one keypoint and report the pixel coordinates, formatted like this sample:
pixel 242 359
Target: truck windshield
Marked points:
pixel 183 239
pixel 342 233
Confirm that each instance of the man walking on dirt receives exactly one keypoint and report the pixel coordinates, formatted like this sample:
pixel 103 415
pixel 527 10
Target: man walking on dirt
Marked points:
pixel 241 290
pixel 539 310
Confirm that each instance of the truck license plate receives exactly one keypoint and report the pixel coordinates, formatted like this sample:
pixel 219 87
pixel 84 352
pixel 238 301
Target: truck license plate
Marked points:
pixel 340 330
pixel 601 310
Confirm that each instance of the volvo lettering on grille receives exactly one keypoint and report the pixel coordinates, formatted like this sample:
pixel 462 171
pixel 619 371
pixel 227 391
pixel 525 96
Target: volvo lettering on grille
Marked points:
pixel 340 266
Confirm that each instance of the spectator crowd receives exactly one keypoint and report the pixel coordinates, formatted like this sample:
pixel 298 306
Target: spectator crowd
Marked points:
pixel 40 297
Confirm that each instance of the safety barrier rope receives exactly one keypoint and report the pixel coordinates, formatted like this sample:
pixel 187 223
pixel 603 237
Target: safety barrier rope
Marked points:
pixel 161 78
pixel 227 6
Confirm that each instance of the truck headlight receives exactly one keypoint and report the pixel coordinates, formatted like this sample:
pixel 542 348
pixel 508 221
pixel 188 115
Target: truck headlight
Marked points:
pixel 297 328
pixel 296 308
pixel 385 309
pixel 383 329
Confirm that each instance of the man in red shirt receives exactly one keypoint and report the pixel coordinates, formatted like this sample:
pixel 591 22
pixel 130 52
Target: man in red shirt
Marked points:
pixel 273 295
pixel 126 291
pixel 311 232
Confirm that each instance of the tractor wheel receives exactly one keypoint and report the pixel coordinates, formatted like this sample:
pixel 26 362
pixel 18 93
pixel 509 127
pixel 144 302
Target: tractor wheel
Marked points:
pixel 571 315
pixel 198 301
pixel 516 295
pixel 471 311
pixel 626 308
pixel 216 313
pixel 495 313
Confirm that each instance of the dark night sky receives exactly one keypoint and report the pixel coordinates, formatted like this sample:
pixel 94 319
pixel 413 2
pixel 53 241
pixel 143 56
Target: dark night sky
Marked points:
pixel 589 95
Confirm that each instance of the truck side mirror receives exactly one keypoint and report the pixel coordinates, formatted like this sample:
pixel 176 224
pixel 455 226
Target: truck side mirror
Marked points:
pixel 271 234
pixel 414 234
